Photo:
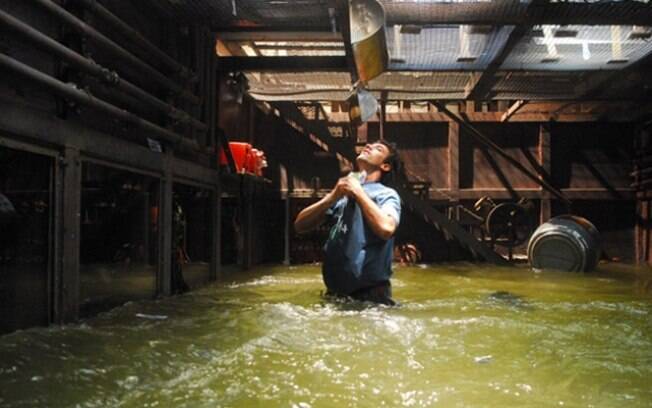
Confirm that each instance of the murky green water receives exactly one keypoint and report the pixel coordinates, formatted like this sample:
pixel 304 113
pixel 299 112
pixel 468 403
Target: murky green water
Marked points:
pixel 463 336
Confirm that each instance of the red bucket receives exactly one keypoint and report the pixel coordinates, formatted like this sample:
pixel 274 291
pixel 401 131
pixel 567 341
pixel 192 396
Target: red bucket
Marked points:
pixel 241 152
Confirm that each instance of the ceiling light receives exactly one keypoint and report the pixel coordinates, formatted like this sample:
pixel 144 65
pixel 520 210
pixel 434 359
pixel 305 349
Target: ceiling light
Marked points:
pixel 640 33
pixel 410 29
pixel 565 33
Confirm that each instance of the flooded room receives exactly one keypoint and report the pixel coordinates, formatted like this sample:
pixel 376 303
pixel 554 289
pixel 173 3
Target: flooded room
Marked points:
pixel 325 203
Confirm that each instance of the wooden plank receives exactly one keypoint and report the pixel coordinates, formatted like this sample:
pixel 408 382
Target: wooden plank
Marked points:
pixel 285 35
pixel 522 116
pixel 512 110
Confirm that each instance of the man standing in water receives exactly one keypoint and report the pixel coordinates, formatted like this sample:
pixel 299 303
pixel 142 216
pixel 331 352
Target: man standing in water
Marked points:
pixel 358 252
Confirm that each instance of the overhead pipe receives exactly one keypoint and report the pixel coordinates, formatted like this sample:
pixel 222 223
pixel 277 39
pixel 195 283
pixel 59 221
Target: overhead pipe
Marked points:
pixel 84 64
pixel 81 27
pixel 100 11
pixel 70 92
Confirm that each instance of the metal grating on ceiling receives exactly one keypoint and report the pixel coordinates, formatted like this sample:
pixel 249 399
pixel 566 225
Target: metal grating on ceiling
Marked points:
pixel 580 48
pixel 537 85
pixel 445 48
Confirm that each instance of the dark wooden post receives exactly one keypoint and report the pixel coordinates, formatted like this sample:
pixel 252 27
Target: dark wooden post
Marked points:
pixel 454 160
pixel 544 159
pixel 68 310
pixel 165 249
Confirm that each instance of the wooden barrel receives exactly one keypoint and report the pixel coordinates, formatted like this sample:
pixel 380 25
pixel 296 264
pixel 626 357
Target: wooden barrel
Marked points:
pixel 567 243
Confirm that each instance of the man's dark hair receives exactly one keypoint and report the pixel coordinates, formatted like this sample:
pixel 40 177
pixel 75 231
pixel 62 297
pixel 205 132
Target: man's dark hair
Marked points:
pixel 395 175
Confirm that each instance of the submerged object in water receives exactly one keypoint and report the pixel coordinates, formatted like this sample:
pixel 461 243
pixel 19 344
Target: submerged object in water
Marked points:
pixel 510 299
pixel 566 243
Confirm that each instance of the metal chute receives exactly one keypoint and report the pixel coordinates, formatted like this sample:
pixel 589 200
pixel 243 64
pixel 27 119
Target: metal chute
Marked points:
pixel 367 19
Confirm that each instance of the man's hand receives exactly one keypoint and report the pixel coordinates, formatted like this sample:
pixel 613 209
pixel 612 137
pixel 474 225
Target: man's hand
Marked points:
pixel 348 186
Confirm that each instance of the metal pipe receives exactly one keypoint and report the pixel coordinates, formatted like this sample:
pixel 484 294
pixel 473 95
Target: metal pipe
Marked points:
pixel 100 11
pixel 81 27
pixel 70 92
pixel 82 63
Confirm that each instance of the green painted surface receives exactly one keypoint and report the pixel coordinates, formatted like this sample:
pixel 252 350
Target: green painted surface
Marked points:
pixel 464 336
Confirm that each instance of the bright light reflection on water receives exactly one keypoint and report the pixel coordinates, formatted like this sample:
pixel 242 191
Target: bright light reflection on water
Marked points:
pixel 464 335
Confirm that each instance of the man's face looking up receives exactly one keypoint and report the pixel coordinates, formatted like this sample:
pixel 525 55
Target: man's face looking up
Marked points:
pixel 374 155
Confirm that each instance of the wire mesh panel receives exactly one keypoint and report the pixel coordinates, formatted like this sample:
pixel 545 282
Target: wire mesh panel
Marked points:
pixel 536 85
pixel 445 48
pixel 573 47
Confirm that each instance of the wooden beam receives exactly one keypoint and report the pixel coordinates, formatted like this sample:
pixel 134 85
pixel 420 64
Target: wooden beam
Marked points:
pixel 523 116
pixel 512 110
pixel 286 35
pixel 282 64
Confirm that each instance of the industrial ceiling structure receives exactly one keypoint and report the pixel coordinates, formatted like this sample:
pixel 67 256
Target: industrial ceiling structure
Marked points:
pixel 443 50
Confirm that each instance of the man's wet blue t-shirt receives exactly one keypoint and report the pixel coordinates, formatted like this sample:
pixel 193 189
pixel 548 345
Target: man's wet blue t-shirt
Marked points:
pixel 355 257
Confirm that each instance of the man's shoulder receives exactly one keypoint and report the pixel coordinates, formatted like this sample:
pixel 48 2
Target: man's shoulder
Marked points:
pixel 382 191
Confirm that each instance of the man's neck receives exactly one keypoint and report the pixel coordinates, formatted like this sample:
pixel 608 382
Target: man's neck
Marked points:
pixel 373 175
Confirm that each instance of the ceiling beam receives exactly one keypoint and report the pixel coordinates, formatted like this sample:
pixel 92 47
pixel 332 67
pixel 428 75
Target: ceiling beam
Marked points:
pixel 515 12
pixel 343 20
pixel 483 86
pixel 282 64
pixel 287 35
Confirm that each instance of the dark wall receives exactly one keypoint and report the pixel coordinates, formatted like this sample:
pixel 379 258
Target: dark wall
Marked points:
pixel 481 167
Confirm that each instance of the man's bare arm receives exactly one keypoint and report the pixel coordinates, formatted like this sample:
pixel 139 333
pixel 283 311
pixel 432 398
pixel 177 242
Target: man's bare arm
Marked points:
pixel 381 223
pixel 314 215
